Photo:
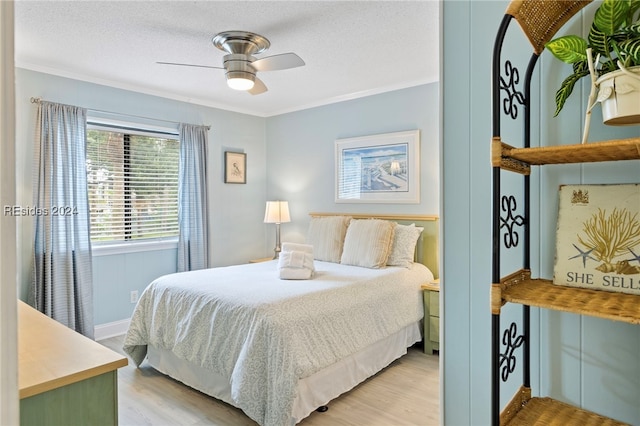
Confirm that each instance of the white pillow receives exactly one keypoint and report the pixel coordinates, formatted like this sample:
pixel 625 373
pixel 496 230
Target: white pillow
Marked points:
pixel 368 243
pixel 326 235
pixel 404 245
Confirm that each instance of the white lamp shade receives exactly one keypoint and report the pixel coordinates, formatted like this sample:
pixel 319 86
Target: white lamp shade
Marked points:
pixel 277 212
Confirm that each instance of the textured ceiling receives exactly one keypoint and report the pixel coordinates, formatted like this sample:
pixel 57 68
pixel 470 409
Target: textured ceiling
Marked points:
pixel 351 48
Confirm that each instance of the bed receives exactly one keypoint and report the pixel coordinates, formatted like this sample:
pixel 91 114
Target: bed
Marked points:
pixel 278 349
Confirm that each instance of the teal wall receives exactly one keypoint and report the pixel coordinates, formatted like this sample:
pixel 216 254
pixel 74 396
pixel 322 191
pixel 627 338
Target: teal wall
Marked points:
pixel 585 361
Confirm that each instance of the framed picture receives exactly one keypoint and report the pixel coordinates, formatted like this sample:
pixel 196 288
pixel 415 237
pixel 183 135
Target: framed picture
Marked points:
pixel 598 237
pixel 381 168
pixel 235 167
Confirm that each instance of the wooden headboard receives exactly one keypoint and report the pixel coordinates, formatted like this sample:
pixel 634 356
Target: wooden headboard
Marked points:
pixel 427 249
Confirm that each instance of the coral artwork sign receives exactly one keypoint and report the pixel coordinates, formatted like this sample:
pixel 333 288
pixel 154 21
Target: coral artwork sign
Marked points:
pixel 598 237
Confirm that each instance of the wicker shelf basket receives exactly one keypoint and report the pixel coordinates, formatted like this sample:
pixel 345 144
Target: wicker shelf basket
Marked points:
pixel 519 159
pixel 541 293
pixel 551 412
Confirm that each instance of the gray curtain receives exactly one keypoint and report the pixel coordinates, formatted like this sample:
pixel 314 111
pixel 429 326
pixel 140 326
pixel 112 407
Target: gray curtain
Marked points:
pixel 193 242
pixel 62 286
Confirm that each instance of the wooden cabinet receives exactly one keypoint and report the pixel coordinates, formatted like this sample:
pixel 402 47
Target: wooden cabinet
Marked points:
pixel 431 321
pixel 64 378
pixel 510 227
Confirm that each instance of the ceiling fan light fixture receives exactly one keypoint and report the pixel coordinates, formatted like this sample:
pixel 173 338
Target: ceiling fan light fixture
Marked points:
pixel 239 63
pixel 239 80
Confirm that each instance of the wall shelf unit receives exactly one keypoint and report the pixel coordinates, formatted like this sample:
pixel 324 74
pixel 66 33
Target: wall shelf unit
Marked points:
pixel 522 289
pixel 539 23
pixel 504 155
pixel 548 411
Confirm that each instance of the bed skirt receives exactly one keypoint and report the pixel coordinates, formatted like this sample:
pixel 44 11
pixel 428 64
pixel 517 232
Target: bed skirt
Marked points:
pixel 311 392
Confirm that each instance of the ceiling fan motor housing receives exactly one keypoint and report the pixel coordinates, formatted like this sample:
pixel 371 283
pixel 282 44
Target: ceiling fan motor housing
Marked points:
pixel 239 66
pixel 240 45
pixel 242 42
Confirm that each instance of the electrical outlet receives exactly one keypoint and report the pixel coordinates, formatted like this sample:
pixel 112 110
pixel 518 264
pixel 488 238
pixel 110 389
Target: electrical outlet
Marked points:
pixel 134 296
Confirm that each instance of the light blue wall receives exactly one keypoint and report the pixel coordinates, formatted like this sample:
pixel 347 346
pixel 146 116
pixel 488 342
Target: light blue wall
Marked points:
pixel 300 153
pixel 585 361
pixel 236 211
pixel 115 276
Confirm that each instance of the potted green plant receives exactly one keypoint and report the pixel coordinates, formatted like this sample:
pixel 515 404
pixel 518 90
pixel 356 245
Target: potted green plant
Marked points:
pixel 614 39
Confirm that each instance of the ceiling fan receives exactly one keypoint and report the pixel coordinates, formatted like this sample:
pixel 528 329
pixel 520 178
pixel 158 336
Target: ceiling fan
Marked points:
pixel 239 63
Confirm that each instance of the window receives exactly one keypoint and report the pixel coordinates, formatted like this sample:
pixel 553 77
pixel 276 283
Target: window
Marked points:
pixel 133 185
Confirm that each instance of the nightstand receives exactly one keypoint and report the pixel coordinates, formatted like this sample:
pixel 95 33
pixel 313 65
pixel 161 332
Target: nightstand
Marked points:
pixel 431 321
pixel 262 259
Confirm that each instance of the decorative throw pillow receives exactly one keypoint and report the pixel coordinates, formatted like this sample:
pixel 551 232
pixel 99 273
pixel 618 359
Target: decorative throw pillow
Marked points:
pixel 368 243
pixel 404 245
pixel 326 235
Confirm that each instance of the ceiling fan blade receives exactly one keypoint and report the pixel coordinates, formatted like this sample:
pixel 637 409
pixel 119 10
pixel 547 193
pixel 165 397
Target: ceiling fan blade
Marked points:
pixel 189 65
pixel 278 62
pixel 258 87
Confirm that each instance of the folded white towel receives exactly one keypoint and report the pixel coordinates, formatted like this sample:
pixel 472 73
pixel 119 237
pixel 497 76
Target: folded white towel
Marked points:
pixel 307 248
pixel 295 265
pixel 295 259
pixel 295 273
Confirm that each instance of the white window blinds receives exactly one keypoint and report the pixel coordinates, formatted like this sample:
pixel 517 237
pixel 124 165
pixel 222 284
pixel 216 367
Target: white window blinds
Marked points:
pixel 133 185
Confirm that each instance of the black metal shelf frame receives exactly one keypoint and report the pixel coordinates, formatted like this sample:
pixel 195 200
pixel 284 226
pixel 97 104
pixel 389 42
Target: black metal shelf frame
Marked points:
pixel 503 363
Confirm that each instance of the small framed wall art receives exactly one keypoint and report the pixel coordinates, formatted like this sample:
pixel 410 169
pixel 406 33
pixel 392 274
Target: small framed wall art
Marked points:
pixel 235 167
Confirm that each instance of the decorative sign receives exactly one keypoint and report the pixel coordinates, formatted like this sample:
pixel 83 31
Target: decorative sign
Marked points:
pixel 598 238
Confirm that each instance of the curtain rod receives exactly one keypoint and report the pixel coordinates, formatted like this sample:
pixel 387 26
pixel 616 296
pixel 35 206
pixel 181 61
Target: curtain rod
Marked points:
pixel 35 100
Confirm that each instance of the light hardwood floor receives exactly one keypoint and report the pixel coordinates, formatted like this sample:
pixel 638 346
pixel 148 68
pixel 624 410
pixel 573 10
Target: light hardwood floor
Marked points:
pixel 404 394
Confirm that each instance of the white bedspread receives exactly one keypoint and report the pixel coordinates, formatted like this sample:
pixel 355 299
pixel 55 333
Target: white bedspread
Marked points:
pixel 264 333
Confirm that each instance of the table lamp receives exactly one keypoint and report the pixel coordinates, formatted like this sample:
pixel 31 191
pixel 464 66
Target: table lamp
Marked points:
pixel 277 212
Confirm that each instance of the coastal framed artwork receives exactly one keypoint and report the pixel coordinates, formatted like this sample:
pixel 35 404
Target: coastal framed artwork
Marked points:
pixel 235 167
pixel 383 168
pixel 598 237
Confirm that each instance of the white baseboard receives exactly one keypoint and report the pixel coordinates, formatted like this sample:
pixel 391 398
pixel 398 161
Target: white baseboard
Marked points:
pixel 111 329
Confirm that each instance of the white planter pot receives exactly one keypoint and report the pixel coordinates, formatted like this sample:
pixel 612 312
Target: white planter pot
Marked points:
pixel 619 93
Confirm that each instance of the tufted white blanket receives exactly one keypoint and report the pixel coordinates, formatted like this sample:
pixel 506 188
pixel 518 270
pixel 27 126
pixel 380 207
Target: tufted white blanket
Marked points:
pixel 264 333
